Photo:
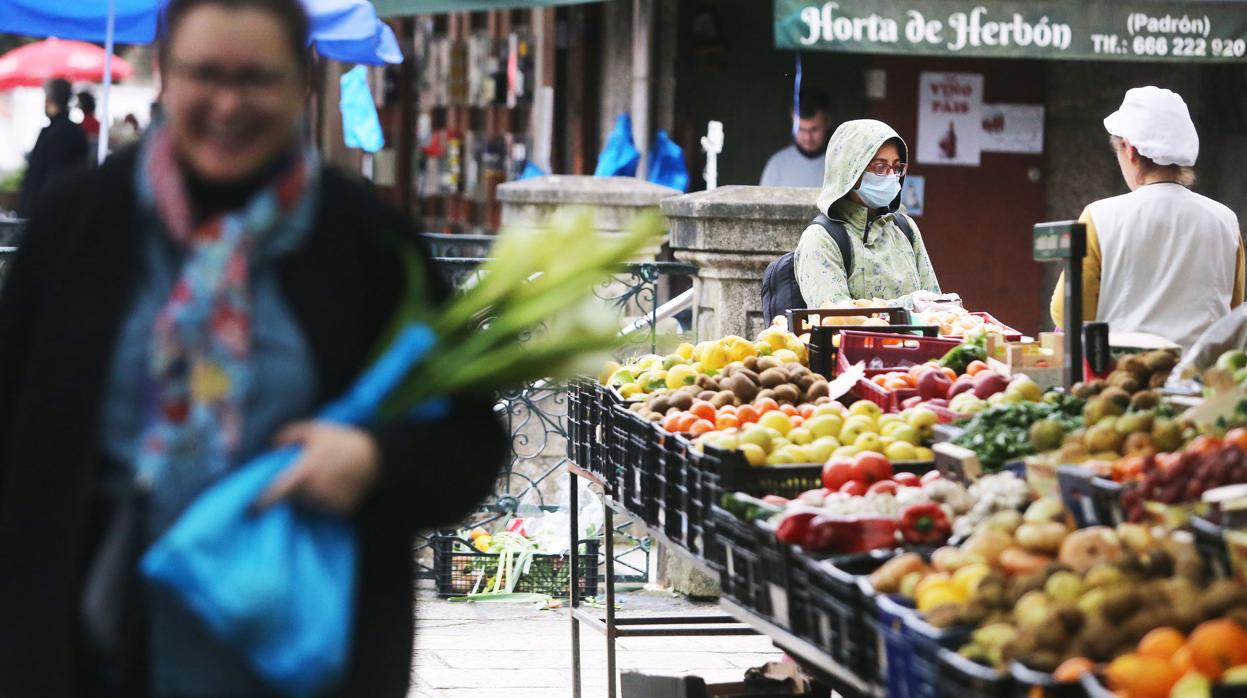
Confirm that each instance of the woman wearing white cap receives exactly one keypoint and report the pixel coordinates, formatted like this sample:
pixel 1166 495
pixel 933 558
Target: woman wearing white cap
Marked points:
pixel 1161 259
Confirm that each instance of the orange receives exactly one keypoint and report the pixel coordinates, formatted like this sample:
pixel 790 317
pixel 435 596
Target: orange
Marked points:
pixel 1217 645
pixel 1162 643
pixel 895 383
pixel 726 421
pixel 974 367
pixel 1142 676
pixel 807 410
pixel 1072 669
pixel 727 409
pixel 788 410
pixel 747 414
pixel 671 423
pixel 765 404
pixel 879 380
pixel 1182 660
pixel 703 410
pixel 685 422
pixel 701 426
pixel 1237 437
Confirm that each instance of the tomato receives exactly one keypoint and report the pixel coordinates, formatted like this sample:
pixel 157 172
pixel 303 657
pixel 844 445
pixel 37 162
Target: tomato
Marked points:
pixel 874 466
pixel 838 471
pixel 788 410
pixel 975 367
pixel 765 404
pixel 906 479
pixel 807 410
pixel 747 414
pixel 855 488
pixel 883 487
pixel 726 421
pixel 704 410
pixel 701 426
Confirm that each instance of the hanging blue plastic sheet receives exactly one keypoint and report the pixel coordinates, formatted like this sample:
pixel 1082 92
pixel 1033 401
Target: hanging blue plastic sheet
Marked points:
pixel 666 163
pixel 620 157
pixel 361 128
pixel 279 585
pixel 530 171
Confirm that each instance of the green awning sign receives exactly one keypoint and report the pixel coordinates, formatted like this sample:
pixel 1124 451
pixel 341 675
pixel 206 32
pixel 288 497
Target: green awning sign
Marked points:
pixel 1089 30
pixel 403 8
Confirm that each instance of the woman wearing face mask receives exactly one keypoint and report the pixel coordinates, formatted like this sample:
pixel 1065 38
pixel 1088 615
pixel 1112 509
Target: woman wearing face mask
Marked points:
pixel 865 167
pixel 175 312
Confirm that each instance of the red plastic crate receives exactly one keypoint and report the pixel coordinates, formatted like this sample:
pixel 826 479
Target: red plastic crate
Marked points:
pixel 889 400
pixel 1010 335
pixel 897 353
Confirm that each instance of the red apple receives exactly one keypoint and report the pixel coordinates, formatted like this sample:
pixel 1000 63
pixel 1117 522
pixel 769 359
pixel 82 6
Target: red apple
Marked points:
pixel 874 466
pixel 961 385
pixel 911 402
pixel 988 383
pixel 932 383
pixel 855 488
pixel 906 479
pixel 883 487
pixel 838 471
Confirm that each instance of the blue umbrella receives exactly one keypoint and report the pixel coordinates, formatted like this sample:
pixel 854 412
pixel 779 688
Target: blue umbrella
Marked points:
pixel 343 30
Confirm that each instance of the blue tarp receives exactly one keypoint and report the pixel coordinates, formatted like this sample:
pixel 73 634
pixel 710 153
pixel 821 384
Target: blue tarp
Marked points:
pixel 344 30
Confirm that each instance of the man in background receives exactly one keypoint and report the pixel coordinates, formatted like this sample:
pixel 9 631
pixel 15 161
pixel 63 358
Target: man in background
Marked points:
pixel 90 125
pixel 801 164
pixel 61 148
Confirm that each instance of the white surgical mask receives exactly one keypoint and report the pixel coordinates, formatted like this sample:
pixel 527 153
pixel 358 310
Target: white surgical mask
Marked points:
pixel 878 191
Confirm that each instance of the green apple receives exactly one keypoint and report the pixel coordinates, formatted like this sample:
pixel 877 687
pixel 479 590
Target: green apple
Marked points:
pixel 757 436
pixel 776 420
pixel 868 442
pixel 922 417
pixel 845 452
pixel 754 454
pixel 850 432
pixel 908 434
pixel 801 436
pixel 821 450
pixel 1232 360
pixel 821 425
pixel 866 408
pixel 900 451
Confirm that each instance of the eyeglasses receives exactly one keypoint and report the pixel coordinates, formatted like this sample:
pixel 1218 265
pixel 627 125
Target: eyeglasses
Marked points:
pixel 254 82
pixel 883 169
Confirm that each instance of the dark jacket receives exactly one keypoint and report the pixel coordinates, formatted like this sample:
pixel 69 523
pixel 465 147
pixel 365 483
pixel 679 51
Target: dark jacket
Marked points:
pixel 61 149
pixel 60 312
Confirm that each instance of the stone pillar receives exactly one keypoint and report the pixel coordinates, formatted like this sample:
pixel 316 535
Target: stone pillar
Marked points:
pixel 615 201
pixel 731 234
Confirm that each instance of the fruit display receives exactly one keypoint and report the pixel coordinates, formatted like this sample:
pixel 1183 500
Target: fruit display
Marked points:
pixel 1167 662
pixel 695 365
pixel 958 322
pixel 950 394
pixel 1182 477
pixel 768 433
pixel 1011 431
pixel 1133 373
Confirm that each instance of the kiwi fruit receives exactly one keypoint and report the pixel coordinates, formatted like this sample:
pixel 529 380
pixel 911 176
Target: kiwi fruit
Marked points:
pixel 1082 390
pixel 1051 636
pixel 749 374
pixel 1160 361
pixel 804 382
pixel 660 404
pixel 654 417
pixel 765 392
pixel 1117 395
pixel 1119 604
pixel 723 398
pixel 1125 381
pixel 787 393
pixel 745 389
pixel 1159 564
pixel 1096 386
pixel 637 406
pixel 706 395
pixel 1045 661
pixel 1158 380
pixel 765 363
pixel 1134 364
pixel 1144 400
pixel 701 381
pixel 1071 618
pixel 1221 596
pixel 819 389
pixel 973 613
pixel 750 363
pixel 944 615
pixel 772 377
pixel 1238 615
pixel 681 400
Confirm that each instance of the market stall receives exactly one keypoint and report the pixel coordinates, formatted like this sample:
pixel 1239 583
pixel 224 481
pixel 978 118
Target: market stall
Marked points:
pixel 919 505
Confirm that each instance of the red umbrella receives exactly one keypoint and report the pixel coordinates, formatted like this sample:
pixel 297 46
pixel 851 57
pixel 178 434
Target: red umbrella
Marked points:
pixel 77 61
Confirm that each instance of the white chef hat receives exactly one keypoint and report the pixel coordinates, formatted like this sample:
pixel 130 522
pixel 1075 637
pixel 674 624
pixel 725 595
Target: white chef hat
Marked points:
pixel 1158 124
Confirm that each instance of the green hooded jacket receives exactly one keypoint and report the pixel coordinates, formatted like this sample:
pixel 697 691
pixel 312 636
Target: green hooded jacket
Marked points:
pixel 885 264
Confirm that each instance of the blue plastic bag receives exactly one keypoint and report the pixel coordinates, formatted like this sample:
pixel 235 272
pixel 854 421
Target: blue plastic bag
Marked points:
pixel 280 585
pixel 666 163
pixel 360 126
pixel 620 157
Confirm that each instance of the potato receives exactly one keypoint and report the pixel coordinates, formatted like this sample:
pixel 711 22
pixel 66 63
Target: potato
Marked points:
pixel 1042 537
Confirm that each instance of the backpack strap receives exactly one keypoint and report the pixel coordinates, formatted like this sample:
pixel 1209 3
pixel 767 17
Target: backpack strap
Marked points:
pixel 902 222
pixel 840 235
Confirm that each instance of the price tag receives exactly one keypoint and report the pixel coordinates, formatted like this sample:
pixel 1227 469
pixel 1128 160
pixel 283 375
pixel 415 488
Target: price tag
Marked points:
pixel 1056 241
pixel 957 463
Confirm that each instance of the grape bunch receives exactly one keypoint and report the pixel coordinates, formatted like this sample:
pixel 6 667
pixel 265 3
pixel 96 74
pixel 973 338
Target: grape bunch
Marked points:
pixel 1182 477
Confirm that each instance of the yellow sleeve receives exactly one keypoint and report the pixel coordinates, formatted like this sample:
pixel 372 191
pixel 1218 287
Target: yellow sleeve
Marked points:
pixel 1236 298
pixel 1091 266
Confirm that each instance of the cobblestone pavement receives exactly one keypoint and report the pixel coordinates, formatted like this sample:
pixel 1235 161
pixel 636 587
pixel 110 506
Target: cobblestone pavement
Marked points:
pixel 514 651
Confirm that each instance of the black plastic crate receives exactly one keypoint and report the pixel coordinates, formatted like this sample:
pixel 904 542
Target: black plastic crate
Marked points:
pixel 741 577
pixel 840 616
pixel 787 587
pixel 1211 546
pixel 959 677
pixel 1094 501
pixel 600 412
pixel 1028 683
pixel 459 571
pixel 580 397
pixel 676 492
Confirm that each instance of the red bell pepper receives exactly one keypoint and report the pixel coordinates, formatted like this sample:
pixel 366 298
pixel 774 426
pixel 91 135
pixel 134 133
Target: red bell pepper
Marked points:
pixel 925 523
pixel 794 528
pixel 877 532
pixel 849 534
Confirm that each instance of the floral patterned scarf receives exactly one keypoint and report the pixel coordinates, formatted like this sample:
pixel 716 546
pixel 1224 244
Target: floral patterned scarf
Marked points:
pixel 201 339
